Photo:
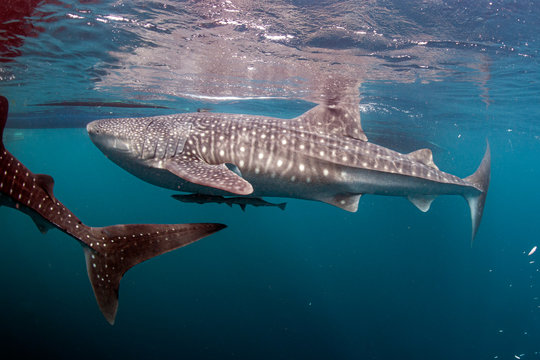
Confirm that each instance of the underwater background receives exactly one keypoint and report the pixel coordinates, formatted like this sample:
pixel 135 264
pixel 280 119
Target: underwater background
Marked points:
pixel 313 281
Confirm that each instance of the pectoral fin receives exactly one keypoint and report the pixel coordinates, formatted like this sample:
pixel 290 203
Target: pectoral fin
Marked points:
pixel 215 176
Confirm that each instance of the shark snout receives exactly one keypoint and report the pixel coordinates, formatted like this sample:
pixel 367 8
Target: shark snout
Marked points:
pixel 93 128
pixel 105 138
pixel 96 134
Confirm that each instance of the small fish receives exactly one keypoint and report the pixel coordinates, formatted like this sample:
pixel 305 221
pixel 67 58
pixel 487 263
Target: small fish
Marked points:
pixel 533 250
pixel 240 201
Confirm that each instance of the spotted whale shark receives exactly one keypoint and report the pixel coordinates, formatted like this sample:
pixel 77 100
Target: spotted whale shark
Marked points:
pixel 321 155
pixel 109 251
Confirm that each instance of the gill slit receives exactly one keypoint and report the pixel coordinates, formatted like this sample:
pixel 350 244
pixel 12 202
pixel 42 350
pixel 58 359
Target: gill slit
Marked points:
pixel 145 137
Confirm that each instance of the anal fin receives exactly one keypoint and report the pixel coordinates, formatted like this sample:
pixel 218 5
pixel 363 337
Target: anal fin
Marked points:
pixel 422 202
pixel 42 224
pixel 348 202
pixel 215 176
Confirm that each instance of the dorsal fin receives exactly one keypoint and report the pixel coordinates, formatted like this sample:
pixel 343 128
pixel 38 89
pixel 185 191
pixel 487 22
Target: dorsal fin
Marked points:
pixel 3 117
pixel 338 112
pixel 335 119
pixel 424 156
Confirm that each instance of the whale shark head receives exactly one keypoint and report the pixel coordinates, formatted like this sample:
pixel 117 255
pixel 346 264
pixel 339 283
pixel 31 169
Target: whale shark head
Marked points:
pixel 113 138
pixel 140 139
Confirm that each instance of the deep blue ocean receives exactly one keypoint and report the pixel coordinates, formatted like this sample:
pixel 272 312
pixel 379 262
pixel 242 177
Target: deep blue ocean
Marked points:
pixel 313 281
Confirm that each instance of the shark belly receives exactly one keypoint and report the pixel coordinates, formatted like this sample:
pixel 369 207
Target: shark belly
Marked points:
pixel 321 181
pixel 384 183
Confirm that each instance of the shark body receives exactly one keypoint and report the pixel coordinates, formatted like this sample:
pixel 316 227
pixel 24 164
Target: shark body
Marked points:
pixel 110 251
pixel 321 155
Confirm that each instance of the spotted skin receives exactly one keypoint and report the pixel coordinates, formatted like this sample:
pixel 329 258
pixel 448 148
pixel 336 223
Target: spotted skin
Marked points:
pixel 110 251
pixel 321 155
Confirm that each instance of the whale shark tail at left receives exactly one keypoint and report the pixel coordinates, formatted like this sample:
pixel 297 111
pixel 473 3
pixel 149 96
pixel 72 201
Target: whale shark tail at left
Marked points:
pixel 120 247
pixel 110 251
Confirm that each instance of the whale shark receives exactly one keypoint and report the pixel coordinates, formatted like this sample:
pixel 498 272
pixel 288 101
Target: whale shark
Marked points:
pixel 109 251
pixel 321 155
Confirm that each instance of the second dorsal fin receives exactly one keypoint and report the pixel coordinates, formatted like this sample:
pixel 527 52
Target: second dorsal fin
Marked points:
pixel 424 156
pixel 47 183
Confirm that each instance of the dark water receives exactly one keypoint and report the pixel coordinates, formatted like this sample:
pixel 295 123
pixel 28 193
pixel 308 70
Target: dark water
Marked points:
pixel 314 281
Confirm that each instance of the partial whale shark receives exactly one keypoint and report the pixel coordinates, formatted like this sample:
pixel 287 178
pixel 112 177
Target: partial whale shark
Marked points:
pixel 110 251
pixel 321 155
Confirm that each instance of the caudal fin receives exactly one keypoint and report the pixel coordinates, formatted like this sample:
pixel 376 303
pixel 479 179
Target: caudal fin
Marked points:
pixel 110 251
pixel 120 247
pixel 480 180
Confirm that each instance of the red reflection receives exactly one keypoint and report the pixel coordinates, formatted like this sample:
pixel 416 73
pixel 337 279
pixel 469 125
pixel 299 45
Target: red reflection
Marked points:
pixel 16 18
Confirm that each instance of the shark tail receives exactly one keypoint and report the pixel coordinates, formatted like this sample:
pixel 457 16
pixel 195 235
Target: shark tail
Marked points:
pixel 115 249
pixel 111 251
pixel 282 205
pixel 480 180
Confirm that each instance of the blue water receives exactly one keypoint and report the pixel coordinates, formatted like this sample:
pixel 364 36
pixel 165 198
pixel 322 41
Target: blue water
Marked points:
pixel 314 281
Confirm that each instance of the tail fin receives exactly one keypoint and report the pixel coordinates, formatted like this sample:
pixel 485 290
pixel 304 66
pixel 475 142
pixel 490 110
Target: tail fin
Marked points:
pixel 282 205
pixel 480 180
pixel 124 246
pixel 110 251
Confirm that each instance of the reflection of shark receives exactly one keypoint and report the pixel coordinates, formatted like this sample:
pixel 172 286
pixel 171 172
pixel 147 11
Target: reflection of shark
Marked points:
pixel 116 104
pixel 110 251
pixel 321 155
pixel 237 200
